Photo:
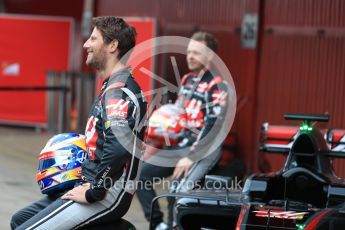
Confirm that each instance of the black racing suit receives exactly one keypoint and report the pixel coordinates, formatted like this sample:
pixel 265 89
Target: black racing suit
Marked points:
pixel 114 132
pixel 204 99
pixel 108 134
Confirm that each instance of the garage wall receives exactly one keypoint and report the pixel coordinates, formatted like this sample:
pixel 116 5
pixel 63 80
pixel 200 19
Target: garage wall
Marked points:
pixel 301 65
pixel 298 65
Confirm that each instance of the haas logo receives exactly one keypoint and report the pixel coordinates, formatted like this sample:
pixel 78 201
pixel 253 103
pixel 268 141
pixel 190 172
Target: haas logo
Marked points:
pixel 117 108
pixel 81 156
pixel 195 115
pixel 193 108
pixel 91 136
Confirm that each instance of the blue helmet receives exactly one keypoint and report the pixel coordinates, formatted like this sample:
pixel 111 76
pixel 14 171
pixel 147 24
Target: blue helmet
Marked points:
pixel 60 162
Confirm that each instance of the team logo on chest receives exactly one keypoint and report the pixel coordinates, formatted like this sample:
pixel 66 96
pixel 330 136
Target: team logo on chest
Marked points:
pixel 194 112
pixel 117 108
pixel 202 87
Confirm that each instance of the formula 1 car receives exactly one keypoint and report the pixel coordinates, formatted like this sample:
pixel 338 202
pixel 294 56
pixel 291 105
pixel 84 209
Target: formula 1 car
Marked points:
pixel 304 194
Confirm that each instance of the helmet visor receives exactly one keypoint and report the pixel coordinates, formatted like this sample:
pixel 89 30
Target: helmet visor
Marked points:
pixel 61 159
pixel 45 164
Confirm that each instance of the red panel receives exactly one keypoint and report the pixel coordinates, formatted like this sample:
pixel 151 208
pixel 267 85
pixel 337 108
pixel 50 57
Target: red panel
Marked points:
pixel 35 45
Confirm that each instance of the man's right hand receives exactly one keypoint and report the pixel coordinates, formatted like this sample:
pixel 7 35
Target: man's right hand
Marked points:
pixel 77 194
pixel 182 168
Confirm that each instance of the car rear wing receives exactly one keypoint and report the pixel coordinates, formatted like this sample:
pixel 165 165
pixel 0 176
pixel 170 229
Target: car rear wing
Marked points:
pixel 280 138
pixel 335 139
pixel 277 138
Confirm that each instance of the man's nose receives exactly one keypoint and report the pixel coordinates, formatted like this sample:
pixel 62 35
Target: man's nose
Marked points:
pixel 86 44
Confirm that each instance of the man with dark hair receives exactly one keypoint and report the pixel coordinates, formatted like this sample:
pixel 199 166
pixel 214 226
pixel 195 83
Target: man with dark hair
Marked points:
pixel 207 39
pixel 204 97
pixel 113 140
pixel 116 28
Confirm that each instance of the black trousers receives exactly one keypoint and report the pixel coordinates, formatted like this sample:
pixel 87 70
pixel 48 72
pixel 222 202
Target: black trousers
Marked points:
pixel 151 172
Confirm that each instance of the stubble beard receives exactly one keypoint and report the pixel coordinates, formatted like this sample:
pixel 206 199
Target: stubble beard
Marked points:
pixel 96 65
pixel 97 61
pixel 195 68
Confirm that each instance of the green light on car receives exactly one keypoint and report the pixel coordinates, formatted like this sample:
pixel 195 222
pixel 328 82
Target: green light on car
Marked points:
pixel 306 127
pixel 300 226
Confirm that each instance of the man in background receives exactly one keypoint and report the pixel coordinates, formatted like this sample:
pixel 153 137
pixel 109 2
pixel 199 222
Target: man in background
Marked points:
pixel 203 96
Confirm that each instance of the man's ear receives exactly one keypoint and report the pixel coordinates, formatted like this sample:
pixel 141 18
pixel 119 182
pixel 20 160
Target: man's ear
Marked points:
pixel 210 56
pixel 113 45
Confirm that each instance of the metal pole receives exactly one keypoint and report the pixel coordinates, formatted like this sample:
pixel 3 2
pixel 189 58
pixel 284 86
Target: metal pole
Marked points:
pixel 2 6
pixel 86 18
pixel 50 108
pixel 61 104
pixel 68 102
pixel 78 96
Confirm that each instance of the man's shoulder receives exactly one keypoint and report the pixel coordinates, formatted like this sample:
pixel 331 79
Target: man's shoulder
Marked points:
pixel 120 76
pixel 126 79
pixel 187 77
pixel 214 80
pixel 210 76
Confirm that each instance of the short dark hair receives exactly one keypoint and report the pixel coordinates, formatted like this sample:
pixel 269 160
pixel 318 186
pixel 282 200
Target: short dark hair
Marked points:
pixel 211 42
pixel 113 28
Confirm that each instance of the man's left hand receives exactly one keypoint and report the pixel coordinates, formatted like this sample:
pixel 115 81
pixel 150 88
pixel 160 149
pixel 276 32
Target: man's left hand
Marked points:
pixel 77 194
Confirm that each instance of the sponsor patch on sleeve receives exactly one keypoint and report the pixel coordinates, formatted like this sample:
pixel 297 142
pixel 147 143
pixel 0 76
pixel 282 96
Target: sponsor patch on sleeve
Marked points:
pixel 107 124
pixel 117 108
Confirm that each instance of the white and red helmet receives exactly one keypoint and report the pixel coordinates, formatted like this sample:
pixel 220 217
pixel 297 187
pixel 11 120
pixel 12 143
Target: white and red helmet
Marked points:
pixel 167 125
